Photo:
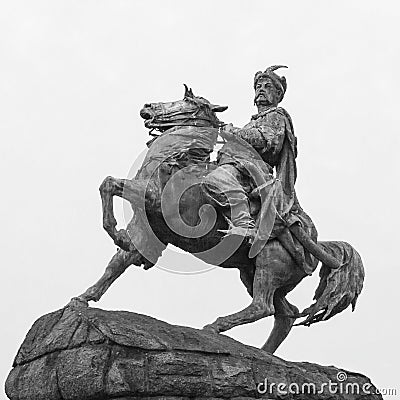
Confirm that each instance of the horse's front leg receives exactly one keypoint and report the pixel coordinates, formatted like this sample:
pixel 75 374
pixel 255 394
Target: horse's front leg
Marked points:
pixel 107 190
pixel 128 190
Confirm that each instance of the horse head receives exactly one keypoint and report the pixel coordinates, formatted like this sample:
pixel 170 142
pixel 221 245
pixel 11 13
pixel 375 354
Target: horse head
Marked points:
pixel 190 111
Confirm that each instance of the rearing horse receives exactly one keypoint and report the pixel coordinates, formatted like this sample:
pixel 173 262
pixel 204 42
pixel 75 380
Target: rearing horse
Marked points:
pixel 170 206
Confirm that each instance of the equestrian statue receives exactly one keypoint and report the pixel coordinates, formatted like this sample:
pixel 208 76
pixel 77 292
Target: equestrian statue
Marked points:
pixel 238 211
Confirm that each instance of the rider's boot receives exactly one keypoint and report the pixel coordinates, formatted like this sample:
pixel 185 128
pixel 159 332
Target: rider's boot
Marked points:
pixel 241 223
pixel 224 187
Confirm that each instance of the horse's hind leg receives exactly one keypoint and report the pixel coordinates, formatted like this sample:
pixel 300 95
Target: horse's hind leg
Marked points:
pixel 261 306
pixel 283 322
pixel 247 278
pixel 273 270
pixel 116 267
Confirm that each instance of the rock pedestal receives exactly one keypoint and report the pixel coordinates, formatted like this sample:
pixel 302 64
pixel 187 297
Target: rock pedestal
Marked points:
pixel 92 354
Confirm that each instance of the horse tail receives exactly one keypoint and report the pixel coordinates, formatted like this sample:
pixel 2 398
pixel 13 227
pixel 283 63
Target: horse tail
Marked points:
pixel 338 288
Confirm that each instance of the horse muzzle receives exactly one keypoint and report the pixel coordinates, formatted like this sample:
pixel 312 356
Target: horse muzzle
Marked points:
pixel 146 113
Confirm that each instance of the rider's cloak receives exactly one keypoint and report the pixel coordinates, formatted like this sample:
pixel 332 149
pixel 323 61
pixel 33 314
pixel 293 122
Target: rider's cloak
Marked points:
pixel 275 176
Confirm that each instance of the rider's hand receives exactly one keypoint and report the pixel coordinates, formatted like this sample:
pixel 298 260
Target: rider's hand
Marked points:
pixel 228 131
pixel 228 128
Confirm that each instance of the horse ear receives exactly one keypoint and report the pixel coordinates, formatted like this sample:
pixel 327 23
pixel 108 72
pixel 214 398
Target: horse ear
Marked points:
pixel 217 108
pixel 188 92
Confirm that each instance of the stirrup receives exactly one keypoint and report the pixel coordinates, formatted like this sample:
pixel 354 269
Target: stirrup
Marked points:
pixel 238 231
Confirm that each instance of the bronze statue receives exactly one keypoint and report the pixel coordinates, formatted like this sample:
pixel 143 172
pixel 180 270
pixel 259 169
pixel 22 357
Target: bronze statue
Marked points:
pixel 238 212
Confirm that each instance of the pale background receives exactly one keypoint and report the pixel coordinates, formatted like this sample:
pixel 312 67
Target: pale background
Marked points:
pixel 73 77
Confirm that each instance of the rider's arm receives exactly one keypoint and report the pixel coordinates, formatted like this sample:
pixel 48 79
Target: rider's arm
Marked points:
pixel 253 136
pixel 273 129
pixel 266 136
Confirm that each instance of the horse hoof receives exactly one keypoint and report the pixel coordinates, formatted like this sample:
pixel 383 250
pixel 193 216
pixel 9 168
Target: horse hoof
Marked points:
pixel 107 185
pixel 77 302
pixel 210 329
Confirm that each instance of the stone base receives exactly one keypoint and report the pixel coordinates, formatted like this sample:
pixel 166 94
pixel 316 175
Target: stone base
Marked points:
pixel 89 353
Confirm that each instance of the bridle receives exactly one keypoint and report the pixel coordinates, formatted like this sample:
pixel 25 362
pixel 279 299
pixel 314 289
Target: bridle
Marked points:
pixel 166 119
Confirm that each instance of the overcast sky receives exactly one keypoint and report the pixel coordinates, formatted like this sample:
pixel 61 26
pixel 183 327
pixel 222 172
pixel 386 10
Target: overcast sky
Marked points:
pixel 73 77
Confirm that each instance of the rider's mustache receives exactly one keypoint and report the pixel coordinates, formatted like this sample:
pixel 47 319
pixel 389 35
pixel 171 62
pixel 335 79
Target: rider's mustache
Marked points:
pixel 265 94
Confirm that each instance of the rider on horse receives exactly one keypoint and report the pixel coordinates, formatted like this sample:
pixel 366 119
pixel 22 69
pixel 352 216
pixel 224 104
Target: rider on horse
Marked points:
pixel 270 133
pixel 170 198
